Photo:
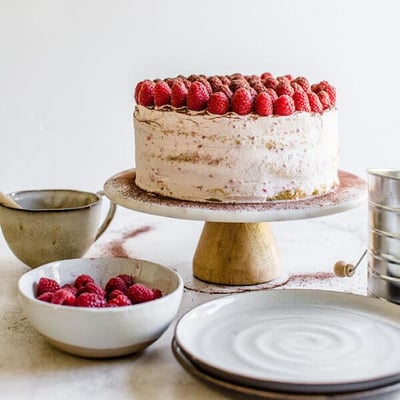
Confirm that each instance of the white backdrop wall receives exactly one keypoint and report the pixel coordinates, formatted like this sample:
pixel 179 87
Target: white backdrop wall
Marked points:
pixel 68 70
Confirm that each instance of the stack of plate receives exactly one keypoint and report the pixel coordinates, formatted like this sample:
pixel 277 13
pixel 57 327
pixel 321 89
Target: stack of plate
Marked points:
pixel 294 344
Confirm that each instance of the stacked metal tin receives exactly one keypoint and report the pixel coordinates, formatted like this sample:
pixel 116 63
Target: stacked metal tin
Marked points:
pixel 384 234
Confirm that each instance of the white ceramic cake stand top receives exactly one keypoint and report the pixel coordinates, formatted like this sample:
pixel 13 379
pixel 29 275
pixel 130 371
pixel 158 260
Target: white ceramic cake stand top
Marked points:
pixel 122 190
pixel 237 246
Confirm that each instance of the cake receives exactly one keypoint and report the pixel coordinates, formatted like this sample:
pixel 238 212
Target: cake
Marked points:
pixel 236 138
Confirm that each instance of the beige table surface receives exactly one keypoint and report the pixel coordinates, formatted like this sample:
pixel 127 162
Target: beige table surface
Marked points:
pixel 30 368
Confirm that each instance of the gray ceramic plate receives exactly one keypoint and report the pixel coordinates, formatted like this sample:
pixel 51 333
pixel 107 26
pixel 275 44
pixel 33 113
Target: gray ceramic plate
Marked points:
pixel 295 340
pixel 389 392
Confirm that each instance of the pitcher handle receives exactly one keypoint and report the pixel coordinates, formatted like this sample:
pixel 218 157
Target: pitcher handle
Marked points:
pixel 108 218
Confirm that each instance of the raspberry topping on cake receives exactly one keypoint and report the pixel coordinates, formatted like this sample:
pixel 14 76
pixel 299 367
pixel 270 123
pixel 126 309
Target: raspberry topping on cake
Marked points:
pixel 218 103
pixel 284 105
pixel 324 98
pixel 146 93
pixel 301 101
pixel 315 103
pixel 197 96
pixel 264 104
pixel 237 93
pixel 179 94
pixel 162 94
pixel 284 87
pixel 242 101
pixel 303 82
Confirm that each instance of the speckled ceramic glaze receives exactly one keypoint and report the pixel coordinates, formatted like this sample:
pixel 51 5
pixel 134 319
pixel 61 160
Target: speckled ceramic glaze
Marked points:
pixel 109 331
pixel 295 340
pixel 53 224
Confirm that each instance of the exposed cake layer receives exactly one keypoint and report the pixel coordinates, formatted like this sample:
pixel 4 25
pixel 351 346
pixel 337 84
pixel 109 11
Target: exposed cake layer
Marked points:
pixel 200 156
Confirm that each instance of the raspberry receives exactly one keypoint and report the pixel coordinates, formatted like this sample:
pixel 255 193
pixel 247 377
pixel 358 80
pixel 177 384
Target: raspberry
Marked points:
pixel 137 90
pixel 157 293
pixel 139 293
pixel 284 87
pixel 215 82
pixel 47 297
pixel 332 94
pixel 83 280
pixel 116 283
pixel 120 300
pixel 315 87
pixel 263 105
pixel 128 279
pixel 270 82
pixel 324 99
pixel 193 77
pixel 296 87
pixel 259 87
pixel 71 288
pixel 253 80
pixel 218 103
pixel 46 285
pixel 197 96
pixel 238 83
pixel 114 293
pixel 242 102
pixel 224 80
pixel 301 101
pixel 284 79
pixel 272 93
pixel 225 89
pixel 92 288
pixel 179 94
pixel 253 92
pixel 187 83
pixel 237 75
pixel 315 103
pixel 170 81
pixel 91 300
pixel 303 82
pixel 207 85
pixel 162 94
pixel 325 86
pixel 284 105
pixel 265 75
pixel 146 93
pixel 63 296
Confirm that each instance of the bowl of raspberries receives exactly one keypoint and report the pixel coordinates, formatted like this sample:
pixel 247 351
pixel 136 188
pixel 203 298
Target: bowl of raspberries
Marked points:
pixel 101 307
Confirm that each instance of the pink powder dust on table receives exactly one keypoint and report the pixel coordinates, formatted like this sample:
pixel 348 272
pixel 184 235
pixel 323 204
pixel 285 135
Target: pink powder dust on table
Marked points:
pixel 115 248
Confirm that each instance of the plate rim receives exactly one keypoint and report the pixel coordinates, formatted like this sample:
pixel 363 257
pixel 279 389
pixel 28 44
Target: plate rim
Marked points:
pixel 194 370
pixel 326 388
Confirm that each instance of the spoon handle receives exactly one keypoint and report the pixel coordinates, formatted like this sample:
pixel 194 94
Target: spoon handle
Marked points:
pixel 6 201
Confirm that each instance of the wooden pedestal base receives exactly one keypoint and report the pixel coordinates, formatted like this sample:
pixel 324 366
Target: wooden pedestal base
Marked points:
pixel 236 254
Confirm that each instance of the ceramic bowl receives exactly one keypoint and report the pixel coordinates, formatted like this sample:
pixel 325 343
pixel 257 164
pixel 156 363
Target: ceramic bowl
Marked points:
pixel 102 332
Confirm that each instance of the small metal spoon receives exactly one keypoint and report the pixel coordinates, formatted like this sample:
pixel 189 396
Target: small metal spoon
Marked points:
pixel 6 201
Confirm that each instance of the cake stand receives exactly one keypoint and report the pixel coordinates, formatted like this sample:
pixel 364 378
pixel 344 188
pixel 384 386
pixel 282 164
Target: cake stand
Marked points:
pixel 237 246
